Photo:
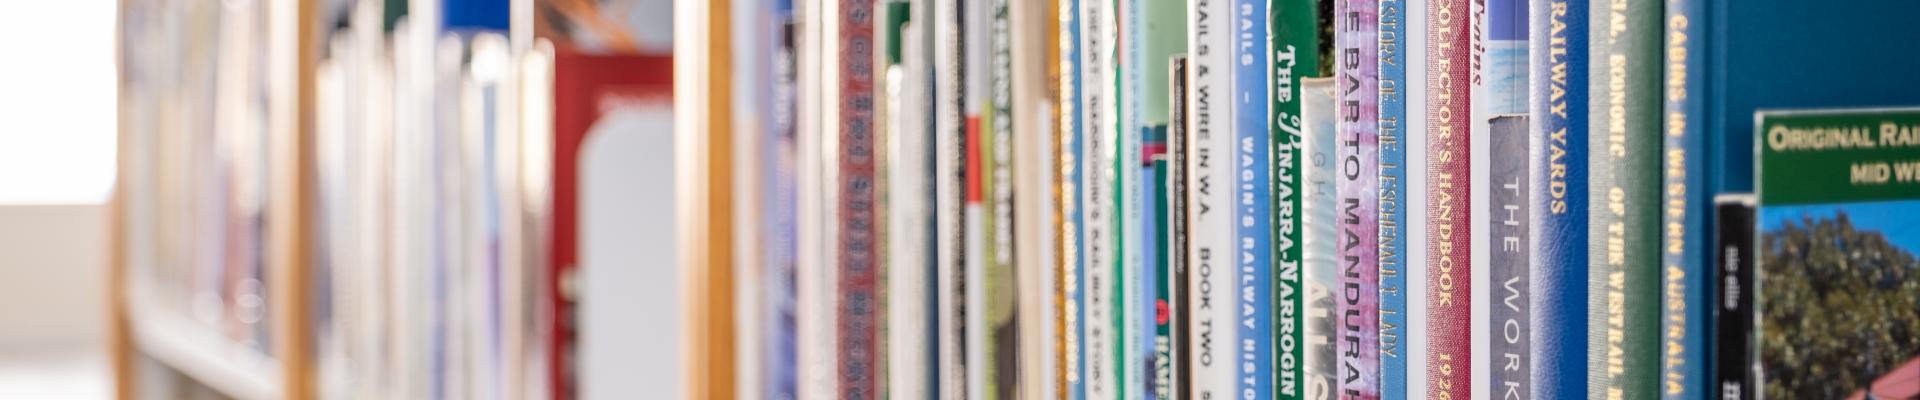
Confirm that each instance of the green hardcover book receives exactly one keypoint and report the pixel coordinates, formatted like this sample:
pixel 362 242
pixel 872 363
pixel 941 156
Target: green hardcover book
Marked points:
pixel 1625 198
pixel 1294 38
pixel 1838 283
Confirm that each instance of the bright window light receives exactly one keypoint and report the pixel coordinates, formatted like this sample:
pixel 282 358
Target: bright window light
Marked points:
pixel 57 102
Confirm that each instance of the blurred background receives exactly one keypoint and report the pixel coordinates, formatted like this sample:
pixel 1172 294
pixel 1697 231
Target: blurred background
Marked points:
pixel 57 151
pixel 261 199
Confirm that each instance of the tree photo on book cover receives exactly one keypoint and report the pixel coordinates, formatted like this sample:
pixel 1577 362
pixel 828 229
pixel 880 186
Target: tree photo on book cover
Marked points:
pixel 1839 293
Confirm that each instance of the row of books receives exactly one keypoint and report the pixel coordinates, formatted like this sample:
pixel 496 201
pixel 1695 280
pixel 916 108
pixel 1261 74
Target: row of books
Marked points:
pixel 1327 198
pixel 449 163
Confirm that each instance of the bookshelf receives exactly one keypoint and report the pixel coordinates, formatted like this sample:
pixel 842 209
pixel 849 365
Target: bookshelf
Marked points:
pixel 140 326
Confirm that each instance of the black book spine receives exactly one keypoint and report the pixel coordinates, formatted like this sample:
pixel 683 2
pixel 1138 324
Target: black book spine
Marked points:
pixel 1734 313
pixel 1177 144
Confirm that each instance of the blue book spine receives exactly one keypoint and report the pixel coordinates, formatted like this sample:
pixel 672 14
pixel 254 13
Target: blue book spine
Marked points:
pixel 1559 151
pixel 1253 210
pixel 782 335
pixel 1393 200
pixel 1687 313
pixel 1071 175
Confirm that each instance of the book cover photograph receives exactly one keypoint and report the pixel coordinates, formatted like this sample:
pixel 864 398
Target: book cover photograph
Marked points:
pixel 1835 248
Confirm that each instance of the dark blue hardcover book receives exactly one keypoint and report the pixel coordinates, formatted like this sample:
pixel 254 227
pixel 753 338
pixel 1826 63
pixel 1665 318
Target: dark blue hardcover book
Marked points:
pixel 1558 110
pixel 1728 58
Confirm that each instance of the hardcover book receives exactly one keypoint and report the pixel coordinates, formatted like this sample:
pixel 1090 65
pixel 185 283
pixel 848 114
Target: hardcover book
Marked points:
pixel 1836 286
pixel 1293 40
pixel 1357 90
pixel 1447 202
pixel 1623 196
pixel 1727 59
pixel 1559 150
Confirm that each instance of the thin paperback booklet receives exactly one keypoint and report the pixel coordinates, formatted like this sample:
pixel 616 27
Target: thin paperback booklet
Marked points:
pixel 1835 250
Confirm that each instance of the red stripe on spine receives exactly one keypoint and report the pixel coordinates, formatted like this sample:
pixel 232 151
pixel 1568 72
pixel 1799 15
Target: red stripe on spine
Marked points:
pixel 858 327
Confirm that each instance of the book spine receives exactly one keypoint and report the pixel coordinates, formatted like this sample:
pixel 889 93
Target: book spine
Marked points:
pixel 912 279
pixel 1000 312
pixel 1158 370
pixel 1631 200
pixel 1319 244
pixel 781 370
pixel 1392 191
pixel 1559 107
pixel 858 322
pixel 1100 342
pixel 1498 74
pixel 1357 86
pixel 977 76
pixel 1688 370
pixel 1072 196
pixel 1178 182
pixel 1212 229
pixel 1511 213
pixel 949 136
pixel 1735 315
pixel 1253 208
pixel 1293 39
pixel 1448 209
pixel 1133 278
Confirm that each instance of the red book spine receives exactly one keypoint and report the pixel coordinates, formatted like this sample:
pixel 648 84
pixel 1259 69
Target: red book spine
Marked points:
pixel 859 302
pixel 582 84
pixel 1449 190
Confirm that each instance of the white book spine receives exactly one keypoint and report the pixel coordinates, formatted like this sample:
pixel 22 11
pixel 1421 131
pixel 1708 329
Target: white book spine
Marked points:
pixel 909 220
pixel 949 134
pixel 1210 236
pixel 1480 172
pixel 1100 341
pixel 1415 131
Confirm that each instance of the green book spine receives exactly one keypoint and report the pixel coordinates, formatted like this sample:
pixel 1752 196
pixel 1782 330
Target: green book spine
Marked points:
pixel 1625 198
pixel 1002 336
pixel 1294 38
